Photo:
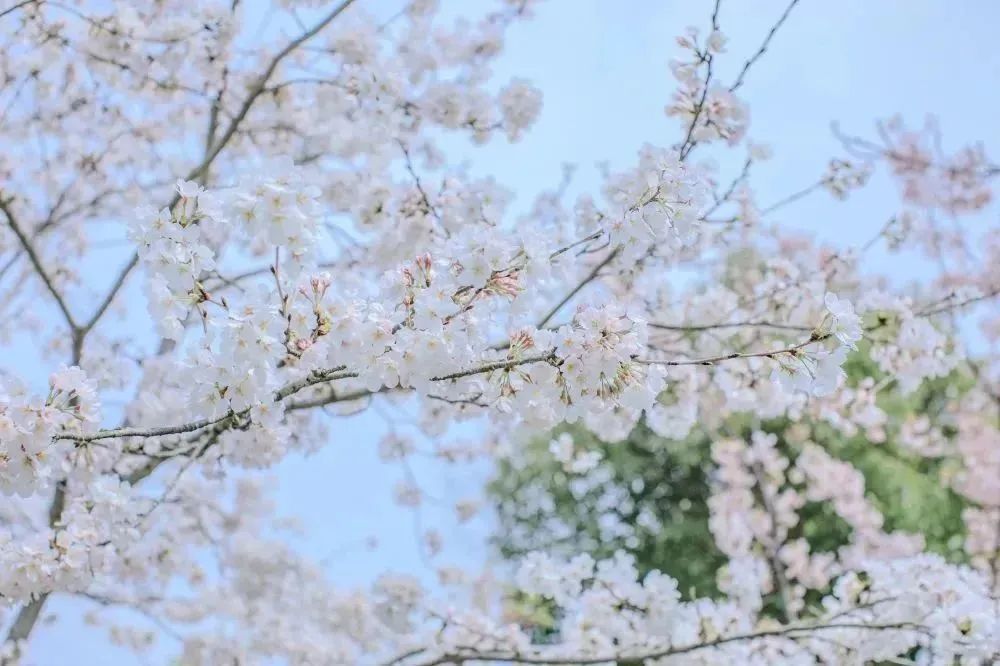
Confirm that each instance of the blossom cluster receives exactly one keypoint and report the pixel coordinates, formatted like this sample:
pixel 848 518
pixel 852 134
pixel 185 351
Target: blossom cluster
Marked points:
pixel 709 110
pixel 95 527
pixel 606 607
pixel 29 458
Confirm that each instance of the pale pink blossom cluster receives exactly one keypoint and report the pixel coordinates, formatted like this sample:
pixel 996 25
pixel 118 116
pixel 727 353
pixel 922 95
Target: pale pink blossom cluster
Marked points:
pixel 977 451
pixel 843 176
pixel 30 458
pixel 955 183
pixel 839 483
pixel 710 109
pixel 755 507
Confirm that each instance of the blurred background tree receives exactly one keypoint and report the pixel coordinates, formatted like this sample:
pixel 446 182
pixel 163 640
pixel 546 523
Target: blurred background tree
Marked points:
pixel 570 492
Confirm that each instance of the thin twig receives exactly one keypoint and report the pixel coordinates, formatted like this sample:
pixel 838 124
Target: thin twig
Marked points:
pixel 23 3
pixel 763 47
pixel 37 262
pixel 580 285
pixel 712 360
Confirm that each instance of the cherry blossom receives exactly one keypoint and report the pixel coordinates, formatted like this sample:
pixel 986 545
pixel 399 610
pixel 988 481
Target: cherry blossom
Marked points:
pixel 301 248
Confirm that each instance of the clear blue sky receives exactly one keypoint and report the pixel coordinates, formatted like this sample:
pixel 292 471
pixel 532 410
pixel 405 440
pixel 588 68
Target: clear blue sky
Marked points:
pixel 603 68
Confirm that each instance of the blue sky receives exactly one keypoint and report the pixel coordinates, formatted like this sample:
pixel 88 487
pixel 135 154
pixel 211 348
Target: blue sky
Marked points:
pixel 603 68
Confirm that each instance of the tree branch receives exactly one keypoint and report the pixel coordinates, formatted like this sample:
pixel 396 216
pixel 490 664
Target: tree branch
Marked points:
pixel 317 377
pixel 37 263
pixel 583 283
pixel 231 129
pixel 792 632
pixel 763 47
pixel 712 360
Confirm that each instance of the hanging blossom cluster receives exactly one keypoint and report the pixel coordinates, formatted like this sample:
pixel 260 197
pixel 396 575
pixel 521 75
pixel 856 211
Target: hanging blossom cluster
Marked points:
pixel 30 456
pixel 96 526
pixel 820 372
pixel 592 369
pixel 180 246
pixel 309 251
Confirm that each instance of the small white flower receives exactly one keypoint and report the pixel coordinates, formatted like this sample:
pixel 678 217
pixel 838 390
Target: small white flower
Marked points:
pixel 846 324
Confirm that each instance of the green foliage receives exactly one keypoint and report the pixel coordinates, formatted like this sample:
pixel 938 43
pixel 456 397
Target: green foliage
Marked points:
pixel 649 472
pixel 542 507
